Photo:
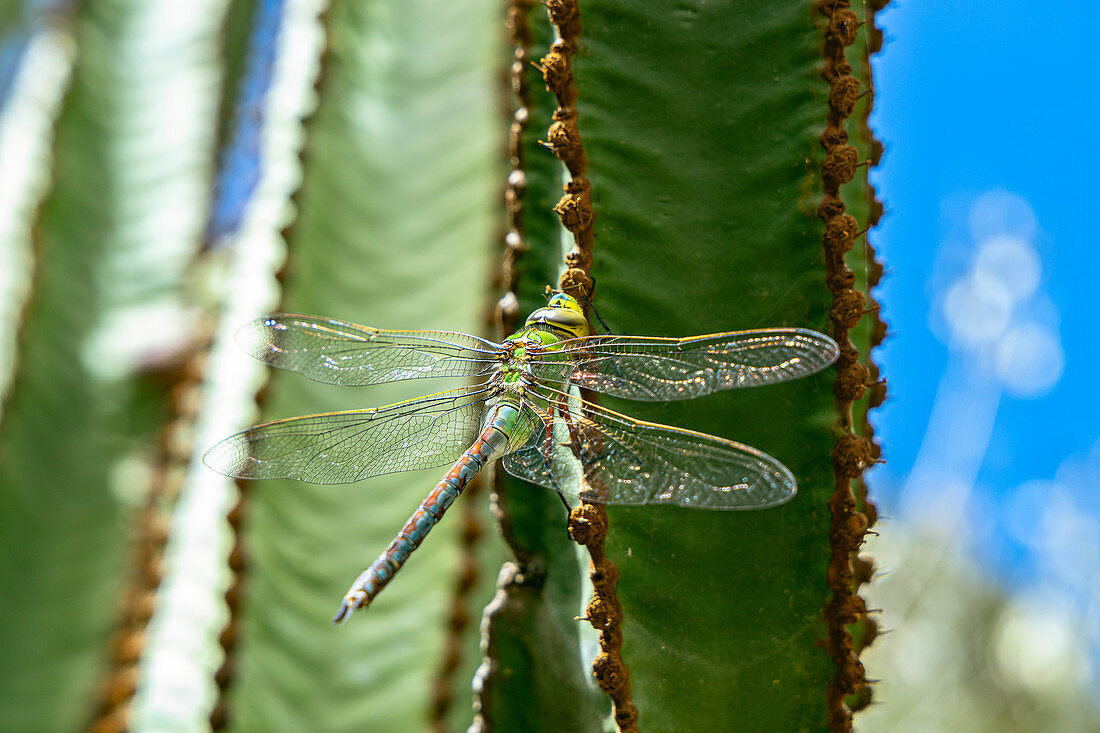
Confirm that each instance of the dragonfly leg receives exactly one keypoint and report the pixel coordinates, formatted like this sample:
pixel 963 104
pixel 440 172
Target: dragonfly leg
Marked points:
pixel 574 436
pixel 548 435
pixel 579 444
pixel 559 405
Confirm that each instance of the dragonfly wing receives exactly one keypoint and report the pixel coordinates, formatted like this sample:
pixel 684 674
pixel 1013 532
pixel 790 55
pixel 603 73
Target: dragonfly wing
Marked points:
pixel 632 462
pixel 335 352
pixel 344 447
pixel 660 369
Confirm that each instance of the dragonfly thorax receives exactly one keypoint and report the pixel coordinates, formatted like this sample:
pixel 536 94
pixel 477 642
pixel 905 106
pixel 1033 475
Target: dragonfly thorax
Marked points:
pixel 513 376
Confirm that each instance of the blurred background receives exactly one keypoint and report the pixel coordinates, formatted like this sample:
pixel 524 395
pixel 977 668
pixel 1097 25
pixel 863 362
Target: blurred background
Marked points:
pixel 988 552
pixel 991 525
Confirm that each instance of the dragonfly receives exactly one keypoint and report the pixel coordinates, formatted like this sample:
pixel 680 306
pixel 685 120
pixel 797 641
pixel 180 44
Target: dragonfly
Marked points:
pixel 522 405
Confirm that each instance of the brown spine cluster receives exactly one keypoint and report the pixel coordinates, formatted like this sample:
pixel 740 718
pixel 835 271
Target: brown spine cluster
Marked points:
pixel 512 582
pixel 588 522
pixel 588 527
pixel 519 35
pixel 139 598
pixel 505 317
pixel 563 138
pixel 863 567
pixel 852 453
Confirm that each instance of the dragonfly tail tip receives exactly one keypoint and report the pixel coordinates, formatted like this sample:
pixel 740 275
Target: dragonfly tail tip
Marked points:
pixel 347 608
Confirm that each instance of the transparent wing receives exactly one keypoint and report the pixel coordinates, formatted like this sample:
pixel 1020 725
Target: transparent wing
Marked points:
pixel 344 447
pixel 335 352
pixel 627 461
pixel 660 369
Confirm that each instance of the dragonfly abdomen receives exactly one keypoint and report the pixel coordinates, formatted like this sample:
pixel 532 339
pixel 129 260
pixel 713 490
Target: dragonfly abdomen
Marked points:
pixel 488 446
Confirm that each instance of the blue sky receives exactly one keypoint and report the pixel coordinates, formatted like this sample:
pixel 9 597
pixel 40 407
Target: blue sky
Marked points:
pixel 989 115
pixel 966 106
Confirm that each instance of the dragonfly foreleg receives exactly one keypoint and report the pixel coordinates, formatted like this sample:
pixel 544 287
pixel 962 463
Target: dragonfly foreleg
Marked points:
pixel 548 419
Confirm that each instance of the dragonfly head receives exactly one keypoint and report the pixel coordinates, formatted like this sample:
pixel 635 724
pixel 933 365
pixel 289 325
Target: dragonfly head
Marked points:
pixel 562 314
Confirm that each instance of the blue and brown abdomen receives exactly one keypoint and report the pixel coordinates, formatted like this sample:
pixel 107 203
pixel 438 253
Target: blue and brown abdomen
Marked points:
pixel 490 444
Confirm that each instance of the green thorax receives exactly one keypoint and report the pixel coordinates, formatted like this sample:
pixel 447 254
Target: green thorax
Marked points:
pixel 562 319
